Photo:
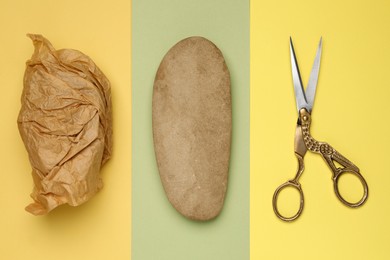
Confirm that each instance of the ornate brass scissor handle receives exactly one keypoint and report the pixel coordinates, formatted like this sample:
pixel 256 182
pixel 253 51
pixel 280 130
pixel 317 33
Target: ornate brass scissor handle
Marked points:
pixel 329 154
pixel 294 183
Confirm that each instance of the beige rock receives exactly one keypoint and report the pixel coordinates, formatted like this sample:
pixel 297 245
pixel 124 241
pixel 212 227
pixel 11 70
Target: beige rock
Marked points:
pixel 192 121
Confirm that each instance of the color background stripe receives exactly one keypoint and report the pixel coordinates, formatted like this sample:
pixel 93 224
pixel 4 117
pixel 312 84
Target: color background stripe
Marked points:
pixel 99 229
pixel 159 232
pixel 351 112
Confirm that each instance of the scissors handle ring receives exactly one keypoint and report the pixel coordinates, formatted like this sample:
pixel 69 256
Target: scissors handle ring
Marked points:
pixel 340 197
pixel 296 185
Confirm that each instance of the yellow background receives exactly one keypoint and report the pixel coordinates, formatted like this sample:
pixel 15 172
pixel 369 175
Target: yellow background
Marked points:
pixel 351 112
pixel 99 229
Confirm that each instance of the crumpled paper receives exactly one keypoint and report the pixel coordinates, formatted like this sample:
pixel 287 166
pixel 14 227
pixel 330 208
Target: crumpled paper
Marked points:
pixel 66 125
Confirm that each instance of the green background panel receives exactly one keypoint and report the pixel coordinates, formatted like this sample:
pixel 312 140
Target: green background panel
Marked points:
pixel 158 230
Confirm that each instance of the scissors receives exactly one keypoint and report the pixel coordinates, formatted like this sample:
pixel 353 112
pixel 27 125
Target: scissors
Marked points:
pixel 304 141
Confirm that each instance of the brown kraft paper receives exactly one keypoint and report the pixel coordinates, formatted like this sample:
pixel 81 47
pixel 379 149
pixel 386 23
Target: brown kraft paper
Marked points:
pixel 66 125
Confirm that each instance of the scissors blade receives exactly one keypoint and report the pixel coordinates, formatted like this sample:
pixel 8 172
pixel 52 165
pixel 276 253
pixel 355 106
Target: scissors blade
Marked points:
pixel 300 97
pixel 312 85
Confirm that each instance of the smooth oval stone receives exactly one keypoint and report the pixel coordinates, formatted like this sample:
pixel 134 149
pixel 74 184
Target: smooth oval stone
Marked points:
pixel 192 121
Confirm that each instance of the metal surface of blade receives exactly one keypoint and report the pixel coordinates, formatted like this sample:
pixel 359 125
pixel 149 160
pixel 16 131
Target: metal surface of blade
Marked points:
pixel 300 97
pixel 312 85
pixel 299 144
